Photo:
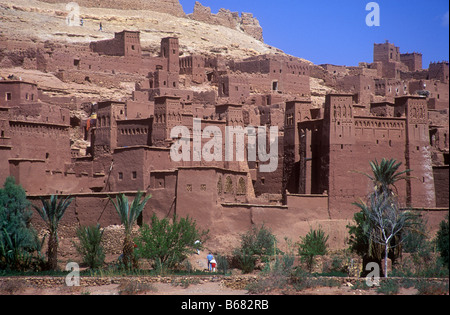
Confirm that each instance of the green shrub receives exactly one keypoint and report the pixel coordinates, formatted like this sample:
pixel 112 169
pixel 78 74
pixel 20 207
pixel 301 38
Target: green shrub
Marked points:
pixel 90 247
pixel 222 264
pixel 246 261
pixel 432 288
pixel 167 243
pixel 20 248
pixel 259 242
pixel 442 241
pixel 312 245
pixel 389 287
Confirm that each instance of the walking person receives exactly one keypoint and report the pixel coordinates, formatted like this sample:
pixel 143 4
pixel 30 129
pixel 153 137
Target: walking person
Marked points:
pixel 209 258
pixel 213 265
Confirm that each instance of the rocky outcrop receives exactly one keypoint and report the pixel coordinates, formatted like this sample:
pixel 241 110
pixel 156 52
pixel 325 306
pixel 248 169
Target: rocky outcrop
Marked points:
pixel 245 22
pixel 172 7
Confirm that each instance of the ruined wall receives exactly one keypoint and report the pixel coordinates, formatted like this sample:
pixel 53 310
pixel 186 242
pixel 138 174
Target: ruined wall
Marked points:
pixel 246 22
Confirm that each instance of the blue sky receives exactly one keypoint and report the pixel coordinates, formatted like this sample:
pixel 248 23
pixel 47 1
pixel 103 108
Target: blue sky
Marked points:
pixel 335 32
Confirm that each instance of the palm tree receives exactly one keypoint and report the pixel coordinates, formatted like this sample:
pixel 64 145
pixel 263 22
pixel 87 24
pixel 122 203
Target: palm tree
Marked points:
pixel 386 175
pixel 128 215
pixel 52 212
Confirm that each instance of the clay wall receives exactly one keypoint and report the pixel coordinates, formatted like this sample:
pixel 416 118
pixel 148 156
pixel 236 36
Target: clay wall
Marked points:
pixel 140 106
pixel 164 79
pixel 295 113
pixel 105 133
pixel 339 71
pixel 13 93
pixel 412 60
pixel 386 52
pixel 359 84
pixel 360 140
pixel 134 132
pixel 195 67
pixel 235 88
pixel 391 88
pixel 439 71
pixel 418 152
pixel 170 50
pixel 441 184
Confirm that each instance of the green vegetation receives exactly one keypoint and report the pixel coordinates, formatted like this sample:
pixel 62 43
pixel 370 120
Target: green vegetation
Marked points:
pixel 312 245
pixel 20 248
pixel 442 241
pixel 52 212
pixel 90 247
pixel 129 213
pixel 167 244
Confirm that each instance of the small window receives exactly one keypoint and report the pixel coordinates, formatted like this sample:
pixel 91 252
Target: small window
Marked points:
pixel 120 176
pixel 134 175
pixel 8 96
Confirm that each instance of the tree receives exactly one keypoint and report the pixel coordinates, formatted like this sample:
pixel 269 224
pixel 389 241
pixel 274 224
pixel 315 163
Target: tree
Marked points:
pixel 168 243
pixel 129 213
pixel 442 241
pixel 90 245
pixel 312 245
pixel 52 212
pixel 18 240
pixel 360 242
pixel 385 174
pixel 386 222
pixel 384 177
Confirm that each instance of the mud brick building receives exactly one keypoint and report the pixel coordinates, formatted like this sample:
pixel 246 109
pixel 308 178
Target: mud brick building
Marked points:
pixel 390 108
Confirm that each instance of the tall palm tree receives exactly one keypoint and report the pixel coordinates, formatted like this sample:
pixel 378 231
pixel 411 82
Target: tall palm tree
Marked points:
pixel 128 214
pixel 52 212
pixel 386 174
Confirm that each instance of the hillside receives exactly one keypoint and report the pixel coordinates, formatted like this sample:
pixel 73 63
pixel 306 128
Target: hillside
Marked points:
pixel 42 21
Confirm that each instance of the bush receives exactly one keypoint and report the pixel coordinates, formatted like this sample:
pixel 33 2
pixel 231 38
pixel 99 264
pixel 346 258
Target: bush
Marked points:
pixel 258 243
pixel 19 245
pixel 432 288
pixel 389 287
pixel 166 243
pixel 312 245
pixel 442 241
pixel 222 264
pixel 90 246
pixel 246 261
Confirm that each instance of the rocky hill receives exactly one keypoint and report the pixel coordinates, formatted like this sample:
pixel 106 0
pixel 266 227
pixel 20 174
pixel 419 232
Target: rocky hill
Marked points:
pixel 27 25
pixel 46 21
